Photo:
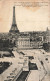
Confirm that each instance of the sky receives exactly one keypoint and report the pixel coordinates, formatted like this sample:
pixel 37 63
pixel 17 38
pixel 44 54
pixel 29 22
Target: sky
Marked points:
pixel 30 16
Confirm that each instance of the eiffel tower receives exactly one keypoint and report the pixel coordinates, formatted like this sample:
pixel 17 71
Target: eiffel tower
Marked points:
pixel 14 28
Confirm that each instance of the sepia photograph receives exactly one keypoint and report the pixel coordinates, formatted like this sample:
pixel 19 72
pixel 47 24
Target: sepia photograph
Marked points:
pixel 24 40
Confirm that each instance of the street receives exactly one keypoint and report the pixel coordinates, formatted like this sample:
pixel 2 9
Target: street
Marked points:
pixel 39 58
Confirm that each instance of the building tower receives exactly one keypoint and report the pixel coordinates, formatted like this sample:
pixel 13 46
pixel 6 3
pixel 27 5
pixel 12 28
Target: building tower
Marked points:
pixel 14 28
pixel 47 29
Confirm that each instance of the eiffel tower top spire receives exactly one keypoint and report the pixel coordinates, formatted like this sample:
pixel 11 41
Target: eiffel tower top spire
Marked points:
pixel 14 25
pixel 14 20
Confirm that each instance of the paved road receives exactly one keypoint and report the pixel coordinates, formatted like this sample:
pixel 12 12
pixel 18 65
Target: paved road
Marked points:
pixel 44 70
pixel 12 68
pixel 33 75
pixel 38 56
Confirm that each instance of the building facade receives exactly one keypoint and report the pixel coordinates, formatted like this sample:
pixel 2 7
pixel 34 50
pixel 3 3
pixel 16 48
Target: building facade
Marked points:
pixel 23 42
